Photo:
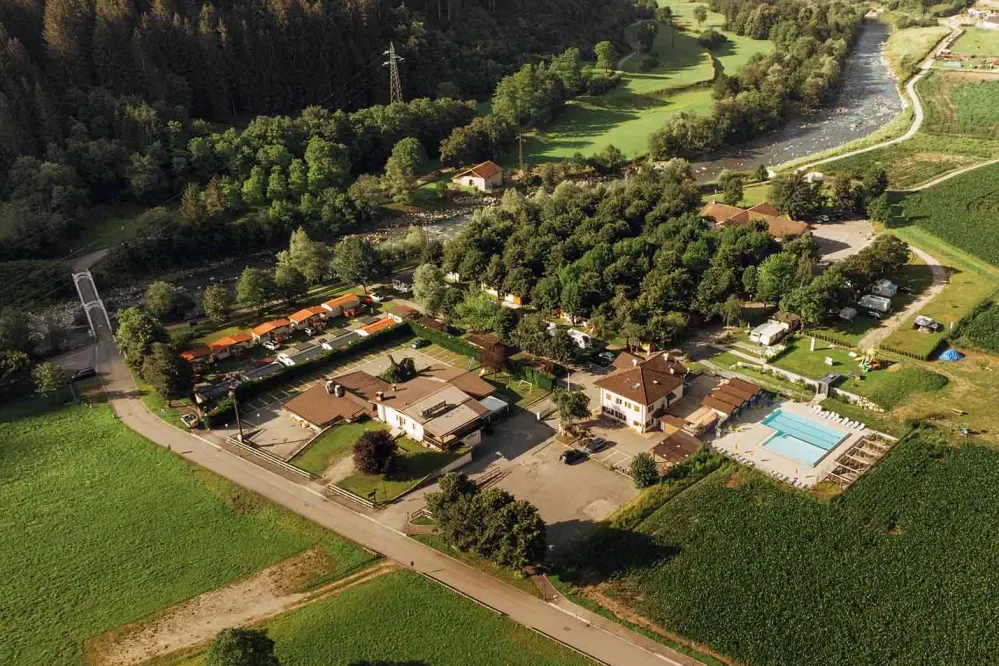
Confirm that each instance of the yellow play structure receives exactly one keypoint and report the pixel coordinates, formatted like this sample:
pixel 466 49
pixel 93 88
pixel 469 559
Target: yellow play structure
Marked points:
pixel 870 361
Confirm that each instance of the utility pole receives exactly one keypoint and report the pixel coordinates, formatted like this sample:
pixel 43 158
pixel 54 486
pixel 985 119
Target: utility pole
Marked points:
pixel 395 85
pixel 520 137
pixel 235 407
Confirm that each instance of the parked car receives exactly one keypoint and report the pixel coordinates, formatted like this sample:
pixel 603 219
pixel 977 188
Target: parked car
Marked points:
pixel 311 330
pixel 906 289
pixel 271 345
pixel 572 456
pixel 595 444
pixel 420 343
pixel 377 296
pixel 190 419
pixel 606 357
pixel 82 373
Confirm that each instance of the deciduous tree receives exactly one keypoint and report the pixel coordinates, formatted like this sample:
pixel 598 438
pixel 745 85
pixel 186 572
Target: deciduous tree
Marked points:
pixel 429 288
pixel 166 371
pixel 137 332
pixel 374 452
pixel 242 647
pixel 644 471
pixel 255 287
pixel 216 302
pixel 161 299
pixel 356 261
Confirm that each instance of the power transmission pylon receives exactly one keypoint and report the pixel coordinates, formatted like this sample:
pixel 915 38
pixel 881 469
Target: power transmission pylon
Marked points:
pixel 395 85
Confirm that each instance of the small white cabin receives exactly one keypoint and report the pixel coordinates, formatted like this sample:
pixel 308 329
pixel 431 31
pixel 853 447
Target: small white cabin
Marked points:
pixel 769 333
pixel 884 288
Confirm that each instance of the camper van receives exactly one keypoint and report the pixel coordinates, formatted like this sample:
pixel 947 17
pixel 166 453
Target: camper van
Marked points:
pixel 879 304
pixel 769 333
pixel 885 288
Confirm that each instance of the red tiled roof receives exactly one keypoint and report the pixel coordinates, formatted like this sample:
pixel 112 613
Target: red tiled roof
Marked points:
pixel 485 170
pixel 269 326
pixel 342 301
pixel 777 224
pixel 645 381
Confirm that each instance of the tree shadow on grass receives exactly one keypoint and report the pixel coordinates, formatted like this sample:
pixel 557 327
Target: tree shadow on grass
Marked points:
pixel 608 553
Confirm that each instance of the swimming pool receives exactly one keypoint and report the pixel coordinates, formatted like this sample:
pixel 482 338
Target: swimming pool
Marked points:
pixel 800 438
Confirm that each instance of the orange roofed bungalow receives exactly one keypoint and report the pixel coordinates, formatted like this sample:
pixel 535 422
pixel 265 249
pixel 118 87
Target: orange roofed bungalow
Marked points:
pixel 377 327
pixel 276 330
pixel 336 306
pixel 308 317
pixel 198 357
pixel 231 345
pixel 483 177
pixel 778 225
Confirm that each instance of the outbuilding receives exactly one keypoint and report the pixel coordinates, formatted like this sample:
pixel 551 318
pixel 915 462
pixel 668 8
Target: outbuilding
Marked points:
pixel 769 333
pixel 483 177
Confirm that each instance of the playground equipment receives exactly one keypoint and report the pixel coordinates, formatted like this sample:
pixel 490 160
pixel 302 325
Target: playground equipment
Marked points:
pixel 870 361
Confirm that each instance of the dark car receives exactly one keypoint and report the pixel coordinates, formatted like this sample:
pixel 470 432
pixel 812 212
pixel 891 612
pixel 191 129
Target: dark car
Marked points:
pixel 83 373
pixel 594 444
pixel 420 343
pixel 606 357
pixel 571 456
pixel 905 289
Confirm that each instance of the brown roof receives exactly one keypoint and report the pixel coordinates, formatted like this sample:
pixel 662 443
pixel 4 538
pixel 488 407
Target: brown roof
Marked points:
pixel 745 386
pixel 320 408
pixel 671 423
pixel 777 224
pixel 342 301
pixel 404 311
pixel 361 383
pixel 724 393
pixel 468 382
pixel 718 405
pixel 486 170
pixel 677 447
pixel 269 326
pixel 230 340
pixel 483 340
pixel 736 390
pixel 646 382
pixel 432 324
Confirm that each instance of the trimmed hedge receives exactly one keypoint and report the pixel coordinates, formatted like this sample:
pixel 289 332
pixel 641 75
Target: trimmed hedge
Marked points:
pixel 449 342
pixel 539 378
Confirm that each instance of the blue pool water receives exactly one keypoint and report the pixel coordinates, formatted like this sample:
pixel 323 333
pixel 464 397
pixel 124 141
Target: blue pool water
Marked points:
pixel 803 439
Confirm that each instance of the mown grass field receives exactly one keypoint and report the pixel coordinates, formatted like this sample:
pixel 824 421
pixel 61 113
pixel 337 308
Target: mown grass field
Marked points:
pixel 643 101
pixel 333 445
pixel 898 570
pixel 101 528
pixel 403 619
pixel 977 42
pixel 888 387
pixel 906 49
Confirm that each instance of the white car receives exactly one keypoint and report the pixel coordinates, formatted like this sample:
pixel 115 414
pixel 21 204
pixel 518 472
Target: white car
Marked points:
pixel 272 345
pixel 376 297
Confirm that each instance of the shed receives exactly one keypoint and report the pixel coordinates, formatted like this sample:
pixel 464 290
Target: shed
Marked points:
pixel 827 383
pixel 769 333
pixel 483 177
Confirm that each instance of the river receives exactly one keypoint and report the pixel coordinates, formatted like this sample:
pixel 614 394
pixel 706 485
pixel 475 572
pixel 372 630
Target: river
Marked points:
pixel 868 99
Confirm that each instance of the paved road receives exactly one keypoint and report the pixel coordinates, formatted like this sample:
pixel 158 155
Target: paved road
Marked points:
pixel 940 279
pixel 602 640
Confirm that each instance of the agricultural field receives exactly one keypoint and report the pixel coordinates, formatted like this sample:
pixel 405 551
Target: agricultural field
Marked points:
pixel 898 570
pixel 402 618
pixel 102 528
pixel 962 211
pixel 626 115
pixel 977 42
pixel 982 330
pixel 906 49
pixel 960 103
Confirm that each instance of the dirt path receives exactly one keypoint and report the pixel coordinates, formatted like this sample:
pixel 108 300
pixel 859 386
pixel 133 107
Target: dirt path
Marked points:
pixel 940 279
pixel 917 106
pixel 263 595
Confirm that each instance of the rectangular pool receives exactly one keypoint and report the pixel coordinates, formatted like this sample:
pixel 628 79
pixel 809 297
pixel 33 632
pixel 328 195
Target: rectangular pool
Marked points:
pixel 800 438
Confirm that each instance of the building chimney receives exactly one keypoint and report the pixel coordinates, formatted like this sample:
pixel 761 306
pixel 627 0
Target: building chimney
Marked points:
pixel 338 391
pixel 672 370
pixel 634 362
pixel 330 387
pixel 380 396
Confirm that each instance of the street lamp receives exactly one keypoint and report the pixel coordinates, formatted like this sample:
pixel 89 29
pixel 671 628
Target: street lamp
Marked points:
pixel 235 407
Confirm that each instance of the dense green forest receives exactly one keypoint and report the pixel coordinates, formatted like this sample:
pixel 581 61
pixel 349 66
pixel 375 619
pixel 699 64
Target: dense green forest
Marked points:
pixel 121 100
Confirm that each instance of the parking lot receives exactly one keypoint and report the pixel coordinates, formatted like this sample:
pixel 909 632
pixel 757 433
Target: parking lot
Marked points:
pixel 273 430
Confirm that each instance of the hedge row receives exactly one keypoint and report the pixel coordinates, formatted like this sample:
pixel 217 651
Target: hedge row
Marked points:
pixel 540 378
pixel 449 342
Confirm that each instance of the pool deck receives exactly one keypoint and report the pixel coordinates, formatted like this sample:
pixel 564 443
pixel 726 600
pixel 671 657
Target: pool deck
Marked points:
pixel 746 442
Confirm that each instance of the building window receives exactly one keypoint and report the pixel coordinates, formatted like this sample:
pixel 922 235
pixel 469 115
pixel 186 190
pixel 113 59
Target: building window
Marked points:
pixel 627 405
pixel 637 424
pixel 617 401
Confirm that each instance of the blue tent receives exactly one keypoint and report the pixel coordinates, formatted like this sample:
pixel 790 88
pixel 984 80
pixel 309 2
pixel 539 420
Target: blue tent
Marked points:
pixel 951 354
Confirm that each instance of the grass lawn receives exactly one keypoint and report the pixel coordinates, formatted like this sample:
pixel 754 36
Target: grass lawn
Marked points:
pixel 414 463
pixel 906 49
pixel 332 445
pixel 977 42
pixel 643 101
pixel 508 576
pixel 513 391
pixel 871 419
pixel 102 528
pixel 898 570
pixel 888 387
pixel 404 619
